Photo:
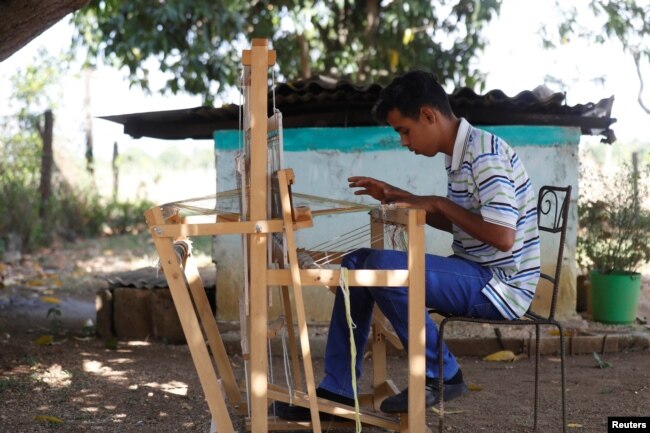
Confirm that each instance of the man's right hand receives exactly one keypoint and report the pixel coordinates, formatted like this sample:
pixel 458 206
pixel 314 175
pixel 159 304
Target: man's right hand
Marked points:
pixel 377 189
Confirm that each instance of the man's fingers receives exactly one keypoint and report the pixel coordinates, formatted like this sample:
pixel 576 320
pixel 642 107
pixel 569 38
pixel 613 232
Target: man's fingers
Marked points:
pixel 361 184
pixel 354 181
pixel 362 181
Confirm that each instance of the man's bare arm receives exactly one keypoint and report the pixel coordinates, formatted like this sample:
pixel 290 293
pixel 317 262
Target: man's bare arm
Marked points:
pixel 441 208
pixel 439 222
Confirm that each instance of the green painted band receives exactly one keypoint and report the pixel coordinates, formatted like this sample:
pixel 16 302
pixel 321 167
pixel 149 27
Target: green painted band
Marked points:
pixel 378 138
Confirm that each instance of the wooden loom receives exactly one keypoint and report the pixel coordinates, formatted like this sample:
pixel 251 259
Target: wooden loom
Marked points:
pixel 199 324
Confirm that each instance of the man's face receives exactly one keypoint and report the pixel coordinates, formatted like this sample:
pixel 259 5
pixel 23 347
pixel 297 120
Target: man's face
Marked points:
pixel 419 136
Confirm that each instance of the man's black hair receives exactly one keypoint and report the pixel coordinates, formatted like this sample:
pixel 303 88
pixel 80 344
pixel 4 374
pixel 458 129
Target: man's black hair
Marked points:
pixel 408 93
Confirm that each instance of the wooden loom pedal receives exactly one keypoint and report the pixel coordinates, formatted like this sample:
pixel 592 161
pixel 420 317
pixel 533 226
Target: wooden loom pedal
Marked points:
pixel 341 410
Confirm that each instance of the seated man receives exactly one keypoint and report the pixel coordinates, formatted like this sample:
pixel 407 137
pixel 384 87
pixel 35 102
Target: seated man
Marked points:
pixel 490 209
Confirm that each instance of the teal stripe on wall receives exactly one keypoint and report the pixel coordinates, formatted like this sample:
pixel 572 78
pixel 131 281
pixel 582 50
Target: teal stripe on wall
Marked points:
pixel 522 135
pixel 376 138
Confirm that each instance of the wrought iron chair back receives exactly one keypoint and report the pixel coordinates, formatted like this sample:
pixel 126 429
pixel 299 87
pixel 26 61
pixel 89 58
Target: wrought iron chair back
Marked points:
pixel 552 217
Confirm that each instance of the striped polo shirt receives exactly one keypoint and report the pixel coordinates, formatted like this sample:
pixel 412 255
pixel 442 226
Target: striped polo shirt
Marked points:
pixel 486 177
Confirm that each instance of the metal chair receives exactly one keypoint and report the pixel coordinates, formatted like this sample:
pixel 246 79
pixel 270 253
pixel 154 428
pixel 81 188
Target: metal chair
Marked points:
pixel 552 217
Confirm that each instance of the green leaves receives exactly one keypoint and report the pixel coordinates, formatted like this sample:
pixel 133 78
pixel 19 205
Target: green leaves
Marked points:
pixel 614 230
pixel 625 21
pixel 198 43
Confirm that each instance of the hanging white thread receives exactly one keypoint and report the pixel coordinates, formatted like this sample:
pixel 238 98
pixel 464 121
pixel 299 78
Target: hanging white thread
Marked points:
pixel 396 232
pixel 287 370
pixel 343 284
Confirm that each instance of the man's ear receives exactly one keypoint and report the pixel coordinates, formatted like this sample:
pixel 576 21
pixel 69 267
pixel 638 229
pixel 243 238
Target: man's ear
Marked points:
pixel 428 114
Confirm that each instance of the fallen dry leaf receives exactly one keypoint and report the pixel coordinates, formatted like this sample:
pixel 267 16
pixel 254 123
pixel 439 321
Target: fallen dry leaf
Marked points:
pixel 556 332
pixel 44 340
pixel 50 300
pixel 35 283
pixel 475 387
pixel 501 355
pixel 48 418
pixel 574 425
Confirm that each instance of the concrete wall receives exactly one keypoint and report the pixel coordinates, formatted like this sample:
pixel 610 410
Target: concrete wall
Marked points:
pixel 323 159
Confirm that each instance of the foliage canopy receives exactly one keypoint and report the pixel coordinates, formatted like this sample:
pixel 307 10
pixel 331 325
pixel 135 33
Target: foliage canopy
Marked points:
pixel 198 42
pixel 625 21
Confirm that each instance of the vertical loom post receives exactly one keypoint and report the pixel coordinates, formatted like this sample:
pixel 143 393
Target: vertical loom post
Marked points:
pixel 259 64
pixel 416 312
pixel 190 324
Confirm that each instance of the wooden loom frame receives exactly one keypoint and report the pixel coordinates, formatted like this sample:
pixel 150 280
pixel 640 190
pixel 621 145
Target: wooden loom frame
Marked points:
pixel 199 324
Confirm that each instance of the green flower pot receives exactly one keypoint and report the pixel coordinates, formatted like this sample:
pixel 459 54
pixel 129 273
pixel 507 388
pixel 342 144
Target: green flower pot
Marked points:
pixel 615 296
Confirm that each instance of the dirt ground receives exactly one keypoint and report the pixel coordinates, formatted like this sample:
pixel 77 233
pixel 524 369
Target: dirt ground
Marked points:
pixel 75 382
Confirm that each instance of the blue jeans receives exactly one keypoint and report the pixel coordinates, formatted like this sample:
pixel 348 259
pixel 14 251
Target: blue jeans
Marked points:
pixel 452 284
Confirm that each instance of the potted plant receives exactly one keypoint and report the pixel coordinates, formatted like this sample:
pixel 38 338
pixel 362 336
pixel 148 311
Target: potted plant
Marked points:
pixel 613 241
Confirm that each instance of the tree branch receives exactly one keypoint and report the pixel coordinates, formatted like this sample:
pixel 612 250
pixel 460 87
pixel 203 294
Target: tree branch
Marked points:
pixel 23 20
pixel 637 62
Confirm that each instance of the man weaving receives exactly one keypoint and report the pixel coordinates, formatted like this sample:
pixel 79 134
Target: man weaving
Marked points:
pixel 490 209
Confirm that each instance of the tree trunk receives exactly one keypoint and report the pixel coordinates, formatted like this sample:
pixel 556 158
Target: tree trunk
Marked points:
pixel 637 63
pixel 305 63
pixel 372 22
pixel 46 164
pixel 116 171
pixel 90 159
pixel 23 20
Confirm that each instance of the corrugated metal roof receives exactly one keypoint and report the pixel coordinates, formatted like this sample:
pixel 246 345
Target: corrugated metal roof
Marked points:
pixel 323 101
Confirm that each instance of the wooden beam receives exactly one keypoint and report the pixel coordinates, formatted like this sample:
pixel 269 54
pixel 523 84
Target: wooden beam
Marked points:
pixel 209 324
pixel 191 328
pixel 259 63
pixel 416 329
pixel 211 229
pixel 283 181
pixel 301 399
pixel 330 277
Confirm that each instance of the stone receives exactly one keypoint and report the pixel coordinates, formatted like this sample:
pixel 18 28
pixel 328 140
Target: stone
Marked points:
pixel 104 311
pixel 132 313
pixel 166 325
